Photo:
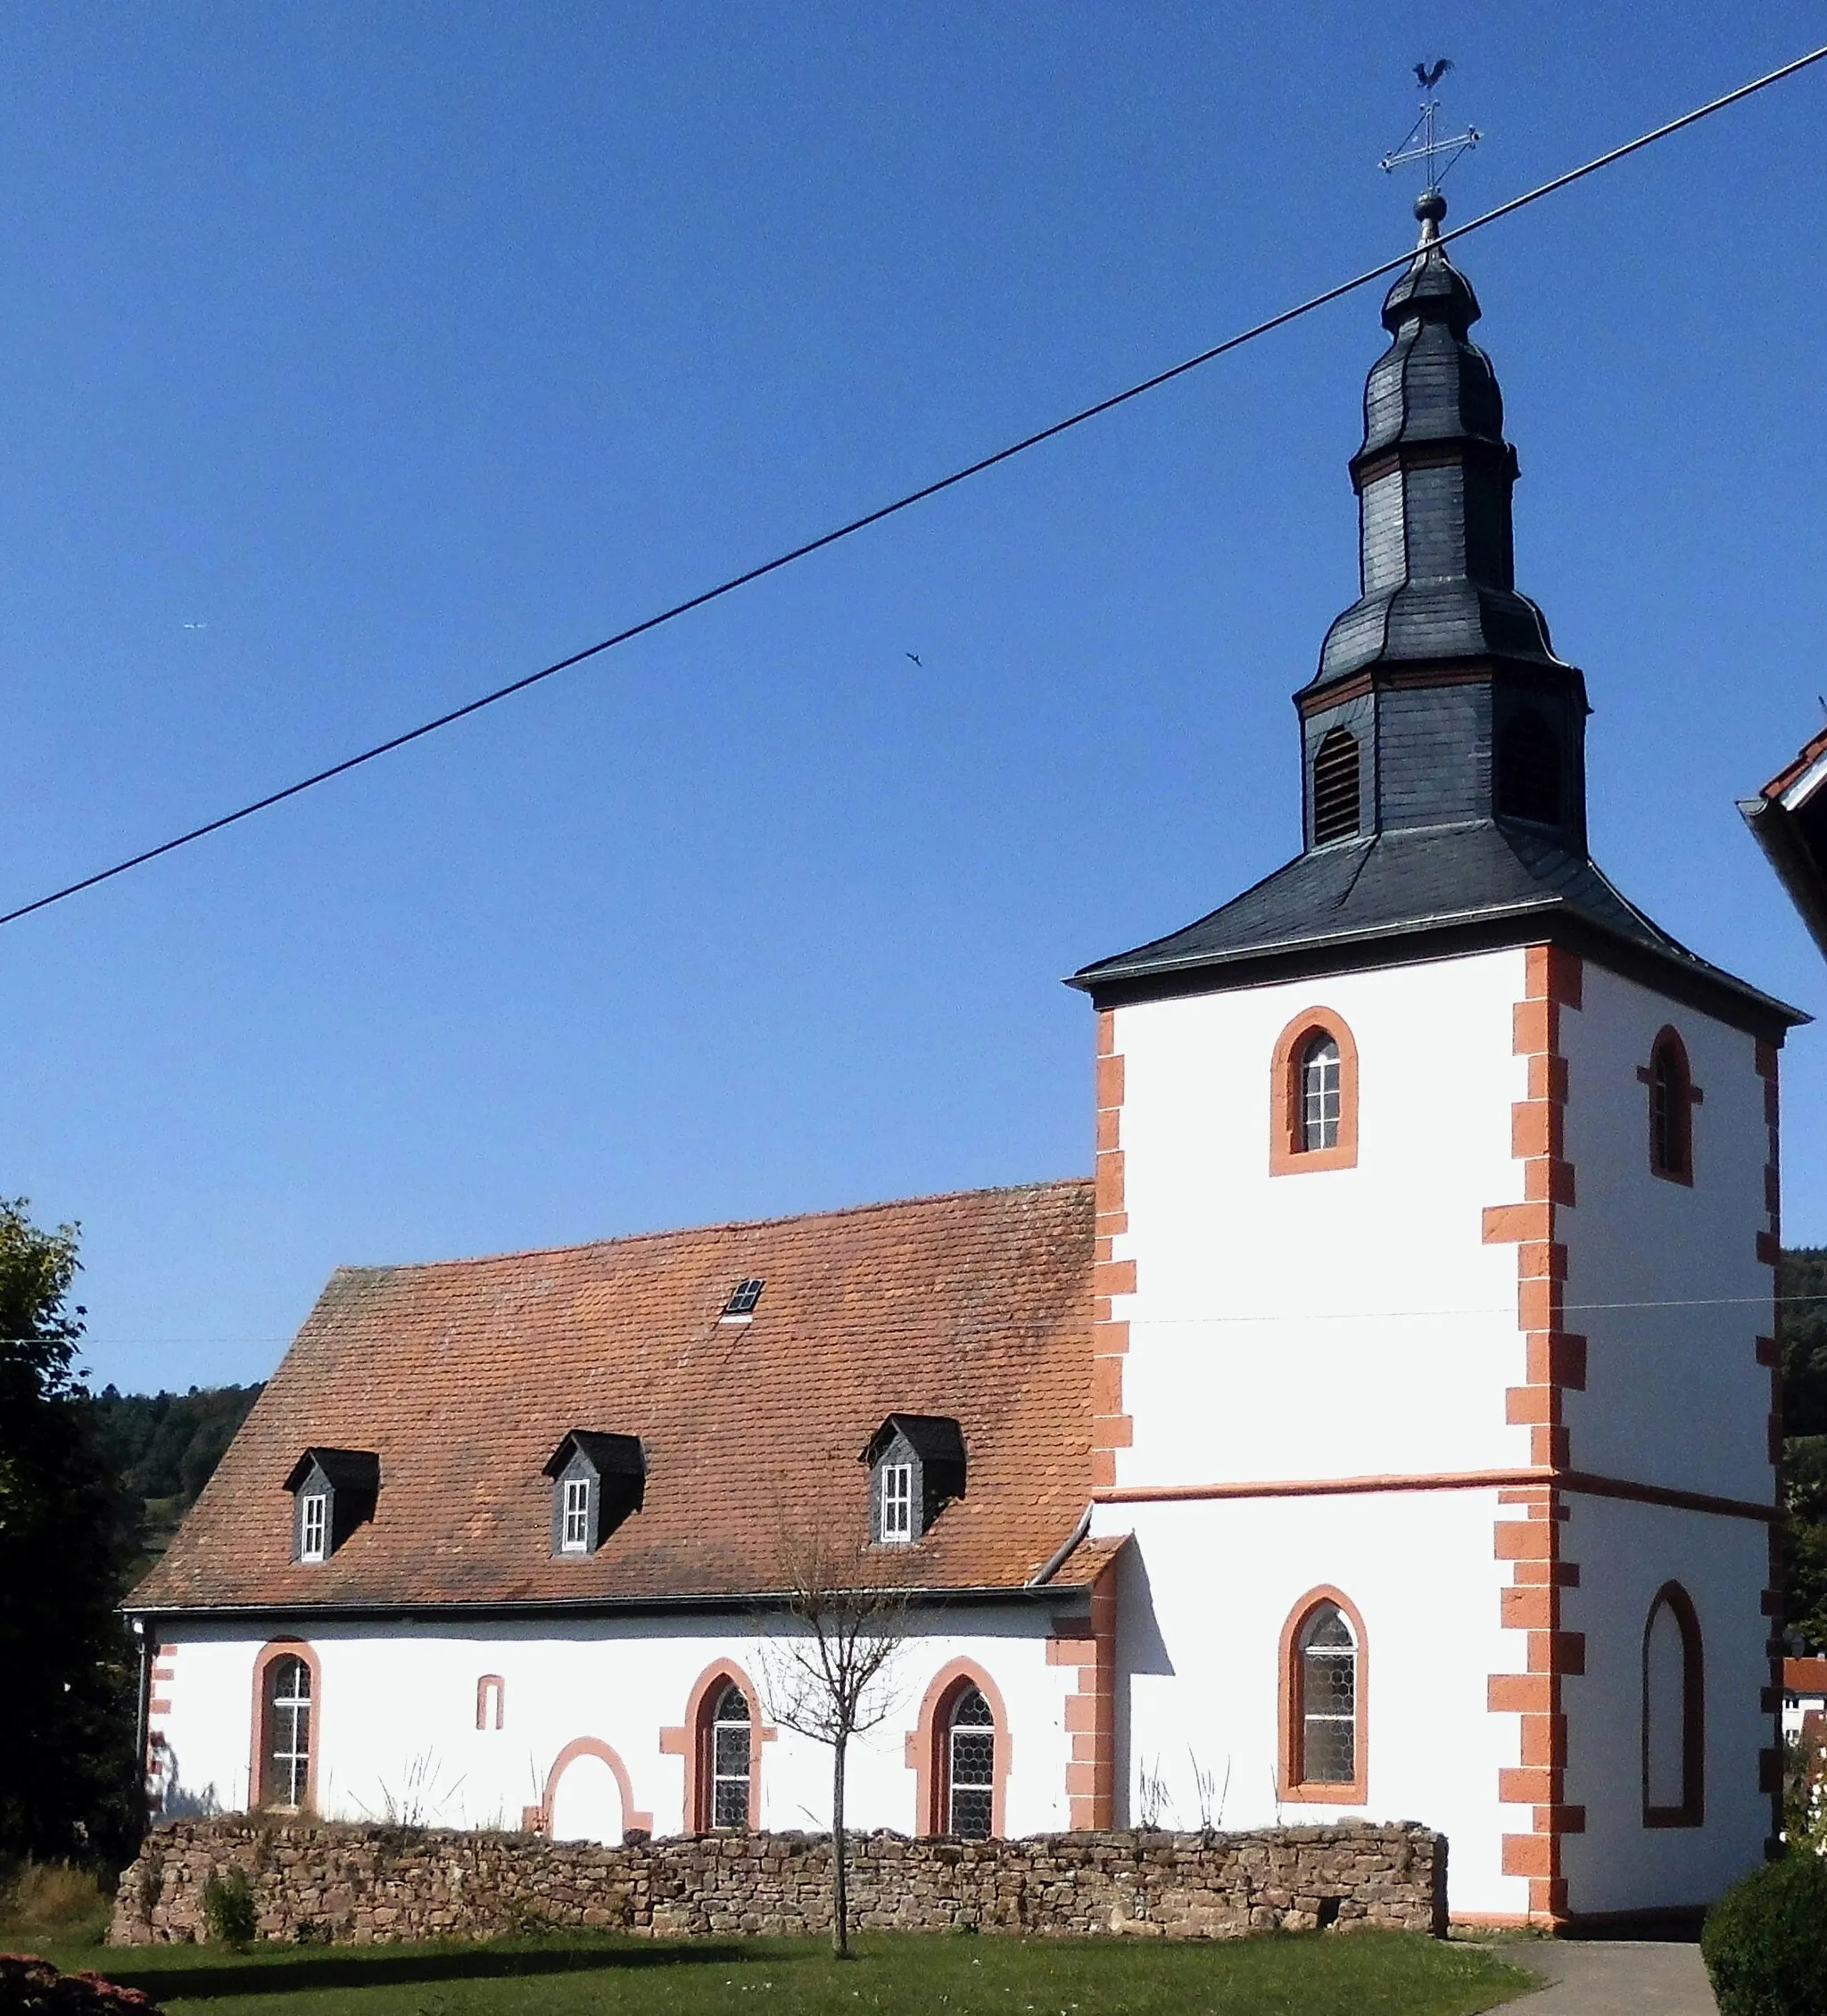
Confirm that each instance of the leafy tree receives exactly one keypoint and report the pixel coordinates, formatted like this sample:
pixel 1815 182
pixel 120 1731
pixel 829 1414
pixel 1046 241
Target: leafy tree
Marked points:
pixel 71 1783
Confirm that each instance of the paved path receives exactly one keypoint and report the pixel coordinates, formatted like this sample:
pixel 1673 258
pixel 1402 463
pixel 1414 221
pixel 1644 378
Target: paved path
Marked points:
pixel 1613 1978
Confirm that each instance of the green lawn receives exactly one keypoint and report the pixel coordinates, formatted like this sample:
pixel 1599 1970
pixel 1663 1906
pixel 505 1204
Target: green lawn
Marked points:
pixel 1364 1974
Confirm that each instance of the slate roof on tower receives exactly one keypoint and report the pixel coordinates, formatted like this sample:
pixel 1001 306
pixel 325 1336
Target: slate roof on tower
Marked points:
pixel 1443 741
pixel 464 1376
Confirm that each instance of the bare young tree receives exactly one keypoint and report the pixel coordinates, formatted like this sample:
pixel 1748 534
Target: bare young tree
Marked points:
pixel 827 1675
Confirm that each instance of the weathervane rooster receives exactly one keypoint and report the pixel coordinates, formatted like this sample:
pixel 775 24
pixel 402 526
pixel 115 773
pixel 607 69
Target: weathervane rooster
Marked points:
pixel 1429 74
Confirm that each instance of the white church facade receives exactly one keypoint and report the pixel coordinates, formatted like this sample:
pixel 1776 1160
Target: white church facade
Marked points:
pixel 1385 1430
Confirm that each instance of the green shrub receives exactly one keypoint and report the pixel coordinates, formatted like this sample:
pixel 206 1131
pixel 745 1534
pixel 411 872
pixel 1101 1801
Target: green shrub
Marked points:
pixel 1766 1940
pixel 229 1910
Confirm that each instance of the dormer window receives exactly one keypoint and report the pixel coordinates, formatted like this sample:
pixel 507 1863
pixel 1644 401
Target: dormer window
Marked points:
pixel 575 1537
pixel 598 1480
pixel 916 1464
pixel 333 1492
pixel 896 1501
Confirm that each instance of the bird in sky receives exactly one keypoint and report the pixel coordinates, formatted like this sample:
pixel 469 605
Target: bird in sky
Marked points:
pixel 1428 78
pixel 915 656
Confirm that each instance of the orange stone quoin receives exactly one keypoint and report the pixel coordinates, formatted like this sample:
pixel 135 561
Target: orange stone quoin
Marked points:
pixel 1770 1355
pixel 1111 1428
pixel 1555 1362
pixel 1091 1644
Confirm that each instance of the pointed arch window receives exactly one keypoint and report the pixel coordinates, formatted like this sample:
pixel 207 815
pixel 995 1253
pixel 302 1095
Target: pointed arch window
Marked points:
pixel 286 1699
pixel 1674 1736
pixel 728 1739
pixel 1323 1676
pixel 960 1755
pixel 970 1766
pixel 1313 1089
pixel 1529 781
pixel 1337 813
pixel 1673 1097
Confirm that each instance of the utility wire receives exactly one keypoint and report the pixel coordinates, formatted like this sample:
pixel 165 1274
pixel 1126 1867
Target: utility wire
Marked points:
pixel 912 497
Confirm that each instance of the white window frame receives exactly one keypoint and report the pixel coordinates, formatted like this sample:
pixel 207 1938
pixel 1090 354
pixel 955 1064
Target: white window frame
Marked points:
pixel 895 1517
pixel 574 1518
pixel 1322 1093
pixel 314 1525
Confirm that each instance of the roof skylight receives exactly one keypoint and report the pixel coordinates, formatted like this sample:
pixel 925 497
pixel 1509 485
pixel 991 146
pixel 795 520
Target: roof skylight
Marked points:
pixel 743 1297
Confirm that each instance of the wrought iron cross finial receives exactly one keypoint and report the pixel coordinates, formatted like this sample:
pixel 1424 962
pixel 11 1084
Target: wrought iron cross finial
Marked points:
pixel 1423 142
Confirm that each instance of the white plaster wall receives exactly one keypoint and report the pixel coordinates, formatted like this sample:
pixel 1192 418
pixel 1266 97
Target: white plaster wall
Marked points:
pixel 1675 1394
pixel 1344 1322
pixel 1205 1591
pixel 1625 1552
pixel 395 1719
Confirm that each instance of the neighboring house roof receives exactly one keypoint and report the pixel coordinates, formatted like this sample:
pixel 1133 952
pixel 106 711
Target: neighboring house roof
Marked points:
pixel 1789 818
pixel 1805 1676
pixel 464 1376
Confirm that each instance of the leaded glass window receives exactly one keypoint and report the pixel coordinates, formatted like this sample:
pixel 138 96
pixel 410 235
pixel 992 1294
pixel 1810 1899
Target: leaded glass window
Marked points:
pixel 1328 1682
pixel 285 1765
pixel 1322 1093
pixel 730 1754
pixel 313 1525
pixel 971 1779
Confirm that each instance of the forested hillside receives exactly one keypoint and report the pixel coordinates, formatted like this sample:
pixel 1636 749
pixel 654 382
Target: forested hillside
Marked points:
pixel 1802 1283
pixel 162 1447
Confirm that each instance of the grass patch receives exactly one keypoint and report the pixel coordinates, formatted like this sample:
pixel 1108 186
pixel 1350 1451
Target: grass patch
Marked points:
pixel 1364 1974
pixel 52 1901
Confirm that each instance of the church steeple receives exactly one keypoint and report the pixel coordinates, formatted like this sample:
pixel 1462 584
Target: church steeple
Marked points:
pixel 1443 742
pixel 1440 676
pixel 1433 479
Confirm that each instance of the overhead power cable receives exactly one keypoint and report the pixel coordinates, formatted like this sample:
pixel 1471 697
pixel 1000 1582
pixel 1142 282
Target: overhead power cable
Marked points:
pixel 912 497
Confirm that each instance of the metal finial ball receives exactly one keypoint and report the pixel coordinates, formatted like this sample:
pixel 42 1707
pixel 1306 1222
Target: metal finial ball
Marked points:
pixel 1430 206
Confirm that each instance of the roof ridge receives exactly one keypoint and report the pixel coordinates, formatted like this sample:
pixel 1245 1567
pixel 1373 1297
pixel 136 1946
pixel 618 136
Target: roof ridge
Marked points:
pixel 722 1225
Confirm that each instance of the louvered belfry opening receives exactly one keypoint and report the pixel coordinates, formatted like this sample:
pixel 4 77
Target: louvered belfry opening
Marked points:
pixel 1336 785
pixel 1529 784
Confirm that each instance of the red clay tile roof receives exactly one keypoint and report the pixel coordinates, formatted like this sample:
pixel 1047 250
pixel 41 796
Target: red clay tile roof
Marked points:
pixel 1805 1676
pixel 464 1376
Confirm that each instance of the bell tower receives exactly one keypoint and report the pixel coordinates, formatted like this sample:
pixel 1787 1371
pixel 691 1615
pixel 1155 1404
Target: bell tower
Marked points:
pixel 1437 1197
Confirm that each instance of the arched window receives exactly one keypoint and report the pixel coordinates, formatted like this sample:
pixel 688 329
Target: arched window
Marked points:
pixel 970 1766
pixel 1673 1097
pixel 1323 1701
pixel 729 1749
pixel 1528 772
pixel 1674 1741
pixel 1320 1093
pixel 286 1733
pixel 491 1701
pixel 1314 1092
pixel 959 1754
pixel 1335 794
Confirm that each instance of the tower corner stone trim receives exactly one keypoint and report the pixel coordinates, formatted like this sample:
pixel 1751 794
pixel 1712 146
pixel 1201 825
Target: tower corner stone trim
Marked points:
pixel 1555 1362
pixel 1111 1428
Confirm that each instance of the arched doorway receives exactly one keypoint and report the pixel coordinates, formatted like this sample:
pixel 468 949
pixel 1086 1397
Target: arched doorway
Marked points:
pixel 585 1799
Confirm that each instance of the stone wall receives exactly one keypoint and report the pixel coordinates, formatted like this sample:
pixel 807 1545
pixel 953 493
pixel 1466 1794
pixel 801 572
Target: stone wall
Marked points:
pixel 312 1880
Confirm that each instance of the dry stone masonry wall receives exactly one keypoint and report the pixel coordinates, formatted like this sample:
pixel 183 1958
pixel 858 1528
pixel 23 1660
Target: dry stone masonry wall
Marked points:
pixel 363 1885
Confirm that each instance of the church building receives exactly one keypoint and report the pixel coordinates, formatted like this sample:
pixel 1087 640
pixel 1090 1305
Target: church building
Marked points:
pixel 1385 1430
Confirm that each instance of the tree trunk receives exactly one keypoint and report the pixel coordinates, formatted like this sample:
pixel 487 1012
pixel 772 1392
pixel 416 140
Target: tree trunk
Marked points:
pixel 840 1874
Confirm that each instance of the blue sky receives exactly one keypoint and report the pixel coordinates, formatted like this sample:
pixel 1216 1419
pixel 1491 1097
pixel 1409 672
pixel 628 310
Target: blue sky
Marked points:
pixel 355 359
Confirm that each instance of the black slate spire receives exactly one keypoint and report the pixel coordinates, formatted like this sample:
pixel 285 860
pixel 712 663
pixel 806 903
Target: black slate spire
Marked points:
pixel 1442 743
pixel 1433 479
